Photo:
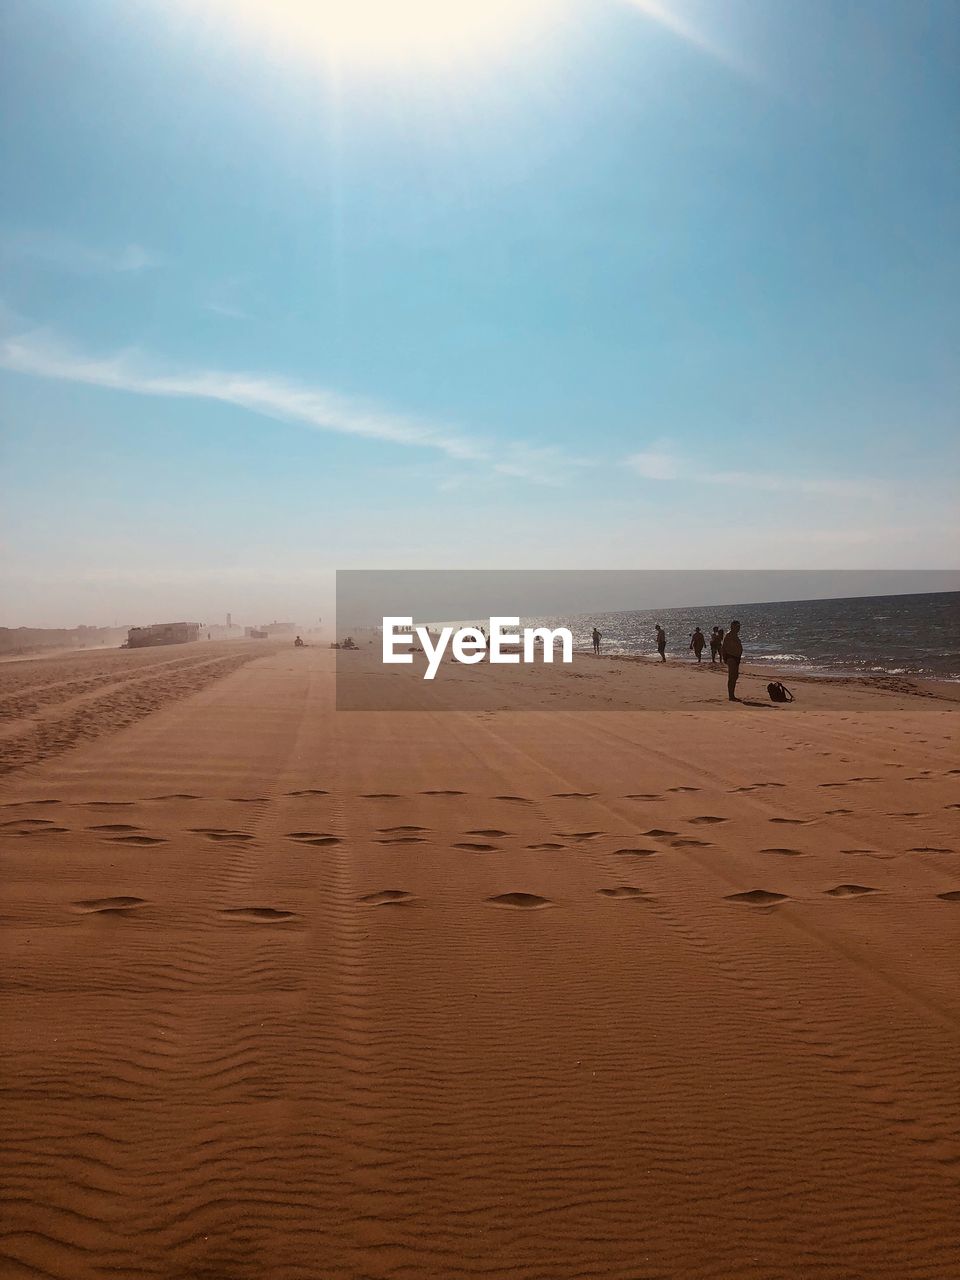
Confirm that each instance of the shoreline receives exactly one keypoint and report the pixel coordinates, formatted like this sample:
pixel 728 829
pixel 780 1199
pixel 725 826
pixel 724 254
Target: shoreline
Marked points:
pixel 937 686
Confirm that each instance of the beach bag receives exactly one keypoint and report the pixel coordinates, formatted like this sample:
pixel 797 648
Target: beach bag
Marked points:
pixel 779 692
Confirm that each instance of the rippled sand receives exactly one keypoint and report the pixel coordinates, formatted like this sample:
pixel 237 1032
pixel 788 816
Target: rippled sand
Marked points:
pixel 544 994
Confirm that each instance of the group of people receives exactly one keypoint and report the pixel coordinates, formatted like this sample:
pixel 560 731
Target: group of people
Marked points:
pixel 725 647
pixel 698 642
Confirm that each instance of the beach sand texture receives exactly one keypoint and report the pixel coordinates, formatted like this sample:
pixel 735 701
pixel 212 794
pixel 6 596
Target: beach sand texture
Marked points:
pixel 544 995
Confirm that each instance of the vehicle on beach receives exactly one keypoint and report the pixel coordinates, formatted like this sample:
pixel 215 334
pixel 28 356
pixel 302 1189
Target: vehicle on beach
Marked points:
pixel 161 633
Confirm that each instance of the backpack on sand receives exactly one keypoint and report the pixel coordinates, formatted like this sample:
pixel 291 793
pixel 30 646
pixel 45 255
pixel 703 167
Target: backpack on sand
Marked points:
pixel 779 692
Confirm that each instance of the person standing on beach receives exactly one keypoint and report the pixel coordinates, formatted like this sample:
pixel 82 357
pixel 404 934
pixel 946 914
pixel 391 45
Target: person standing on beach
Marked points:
pixel 661 643
pixel 697 641
pixel 714 645
pixel 731 652
pixel 597 637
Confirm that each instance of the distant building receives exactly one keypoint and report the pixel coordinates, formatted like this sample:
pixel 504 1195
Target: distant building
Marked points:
pixel 162 633
pixel 278 628
pixel 255 633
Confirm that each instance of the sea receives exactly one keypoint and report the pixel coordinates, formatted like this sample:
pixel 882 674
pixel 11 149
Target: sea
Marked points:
pixel 901 635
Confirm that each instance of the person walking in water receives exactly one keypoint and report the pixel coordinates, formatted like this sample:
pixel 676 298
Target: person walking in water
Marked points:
pixel 732 652
pixel 697 641
pixel 597 637
pixel 661 643
pixel 714 645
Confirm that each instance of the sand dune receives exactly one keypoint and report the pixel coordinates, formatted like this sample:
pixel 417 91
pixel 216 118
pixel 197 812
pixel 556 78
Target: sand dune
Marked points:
pixel 540 994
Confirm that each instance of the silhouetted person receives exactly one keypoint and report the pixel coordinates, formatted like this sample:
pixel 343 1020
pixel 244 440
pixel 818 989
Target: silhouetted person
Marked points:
pixel 697 641
pixel 732 652
pixel 298 643
pixel 715 643
pixel 661 643
pixel 597 637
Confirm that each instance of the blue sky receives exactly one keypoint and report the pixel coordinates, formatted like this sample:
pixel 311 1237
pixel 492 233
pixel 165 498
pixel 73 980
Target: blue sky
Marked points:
pixel 632 285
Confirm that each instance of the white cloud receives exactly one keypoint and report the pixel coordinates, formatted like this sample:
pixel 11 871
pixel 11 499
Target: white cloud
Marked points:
pixel 224 309
pixel 655 464
pixel 66 254
pixel 38 354
pixel 665 16
pixel 662 463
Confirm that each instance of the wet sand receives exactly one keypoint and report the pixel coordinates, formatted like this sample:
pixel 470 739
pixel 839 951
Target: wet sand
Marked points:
pixel 546 994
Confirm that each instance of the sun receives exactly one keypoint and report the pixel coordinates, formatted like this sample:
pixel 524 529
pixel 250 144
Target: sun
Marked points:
pixel 384 33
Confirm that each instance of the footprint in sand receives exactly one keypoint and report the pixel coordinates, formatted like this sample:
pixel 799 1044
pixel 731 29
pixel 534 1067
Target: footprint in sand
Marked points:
pixel 260 915
pixel 547 844
pixel 706 818
pixel 177 795
pixel 791 822
pixel 398 840
pixel 579 836
pixel 523 901
pixel 635 853
pixel 952 895
pixel 309 791
pixel 30 822
pixel 406 829
pixel 109 906
pixel 643 796
pixel 849 891
pixel 380 795
pixel 387 898
pixel 659 833
pixel 475 846
pixel 442 793
pixel 140 840
pixel 114 826
pixel 682 790
pixel 787 853
pixel 514 799
pixel 690 844
pixel 320 838
pixel 836 813
pixel 574 795
pixel 929 848
pixel 622 891
pixel 493 833
pixel 757 898
pixel 249 800
pixel 228 835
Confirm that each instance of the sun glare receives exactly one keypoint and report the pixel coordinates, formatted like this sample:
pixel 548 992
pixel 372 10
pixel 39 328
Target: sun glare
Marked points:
pixel 385 33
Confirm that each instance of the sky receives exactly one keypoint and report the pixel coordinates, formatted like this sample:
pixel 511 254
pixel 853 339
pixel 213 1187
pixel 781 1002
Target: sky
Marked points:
pixel 549 284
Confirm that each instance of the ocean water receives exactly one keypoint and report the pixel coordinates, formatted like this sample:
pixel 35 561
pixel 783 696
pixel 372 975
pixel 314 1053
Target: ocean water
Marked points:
pixel 912 635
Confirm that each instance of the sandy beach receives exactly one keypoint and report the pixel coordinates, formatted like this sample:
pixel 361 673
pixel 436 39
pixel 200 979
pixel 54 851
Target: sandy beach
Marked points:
pixel 666 992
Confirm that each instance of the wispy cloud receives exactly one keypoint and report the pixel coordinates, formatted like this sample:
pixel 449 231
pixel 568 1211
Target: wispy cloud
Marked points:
pixel 225 309
pixel 665 15
pixel 38 354
pixel 655 464
pixel 66 254
pixel 662 463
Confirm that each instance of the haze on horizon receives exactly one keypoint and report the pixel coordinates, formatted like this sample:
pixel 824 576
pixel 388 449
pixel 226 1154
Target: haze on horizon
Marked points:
pixel 554 285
